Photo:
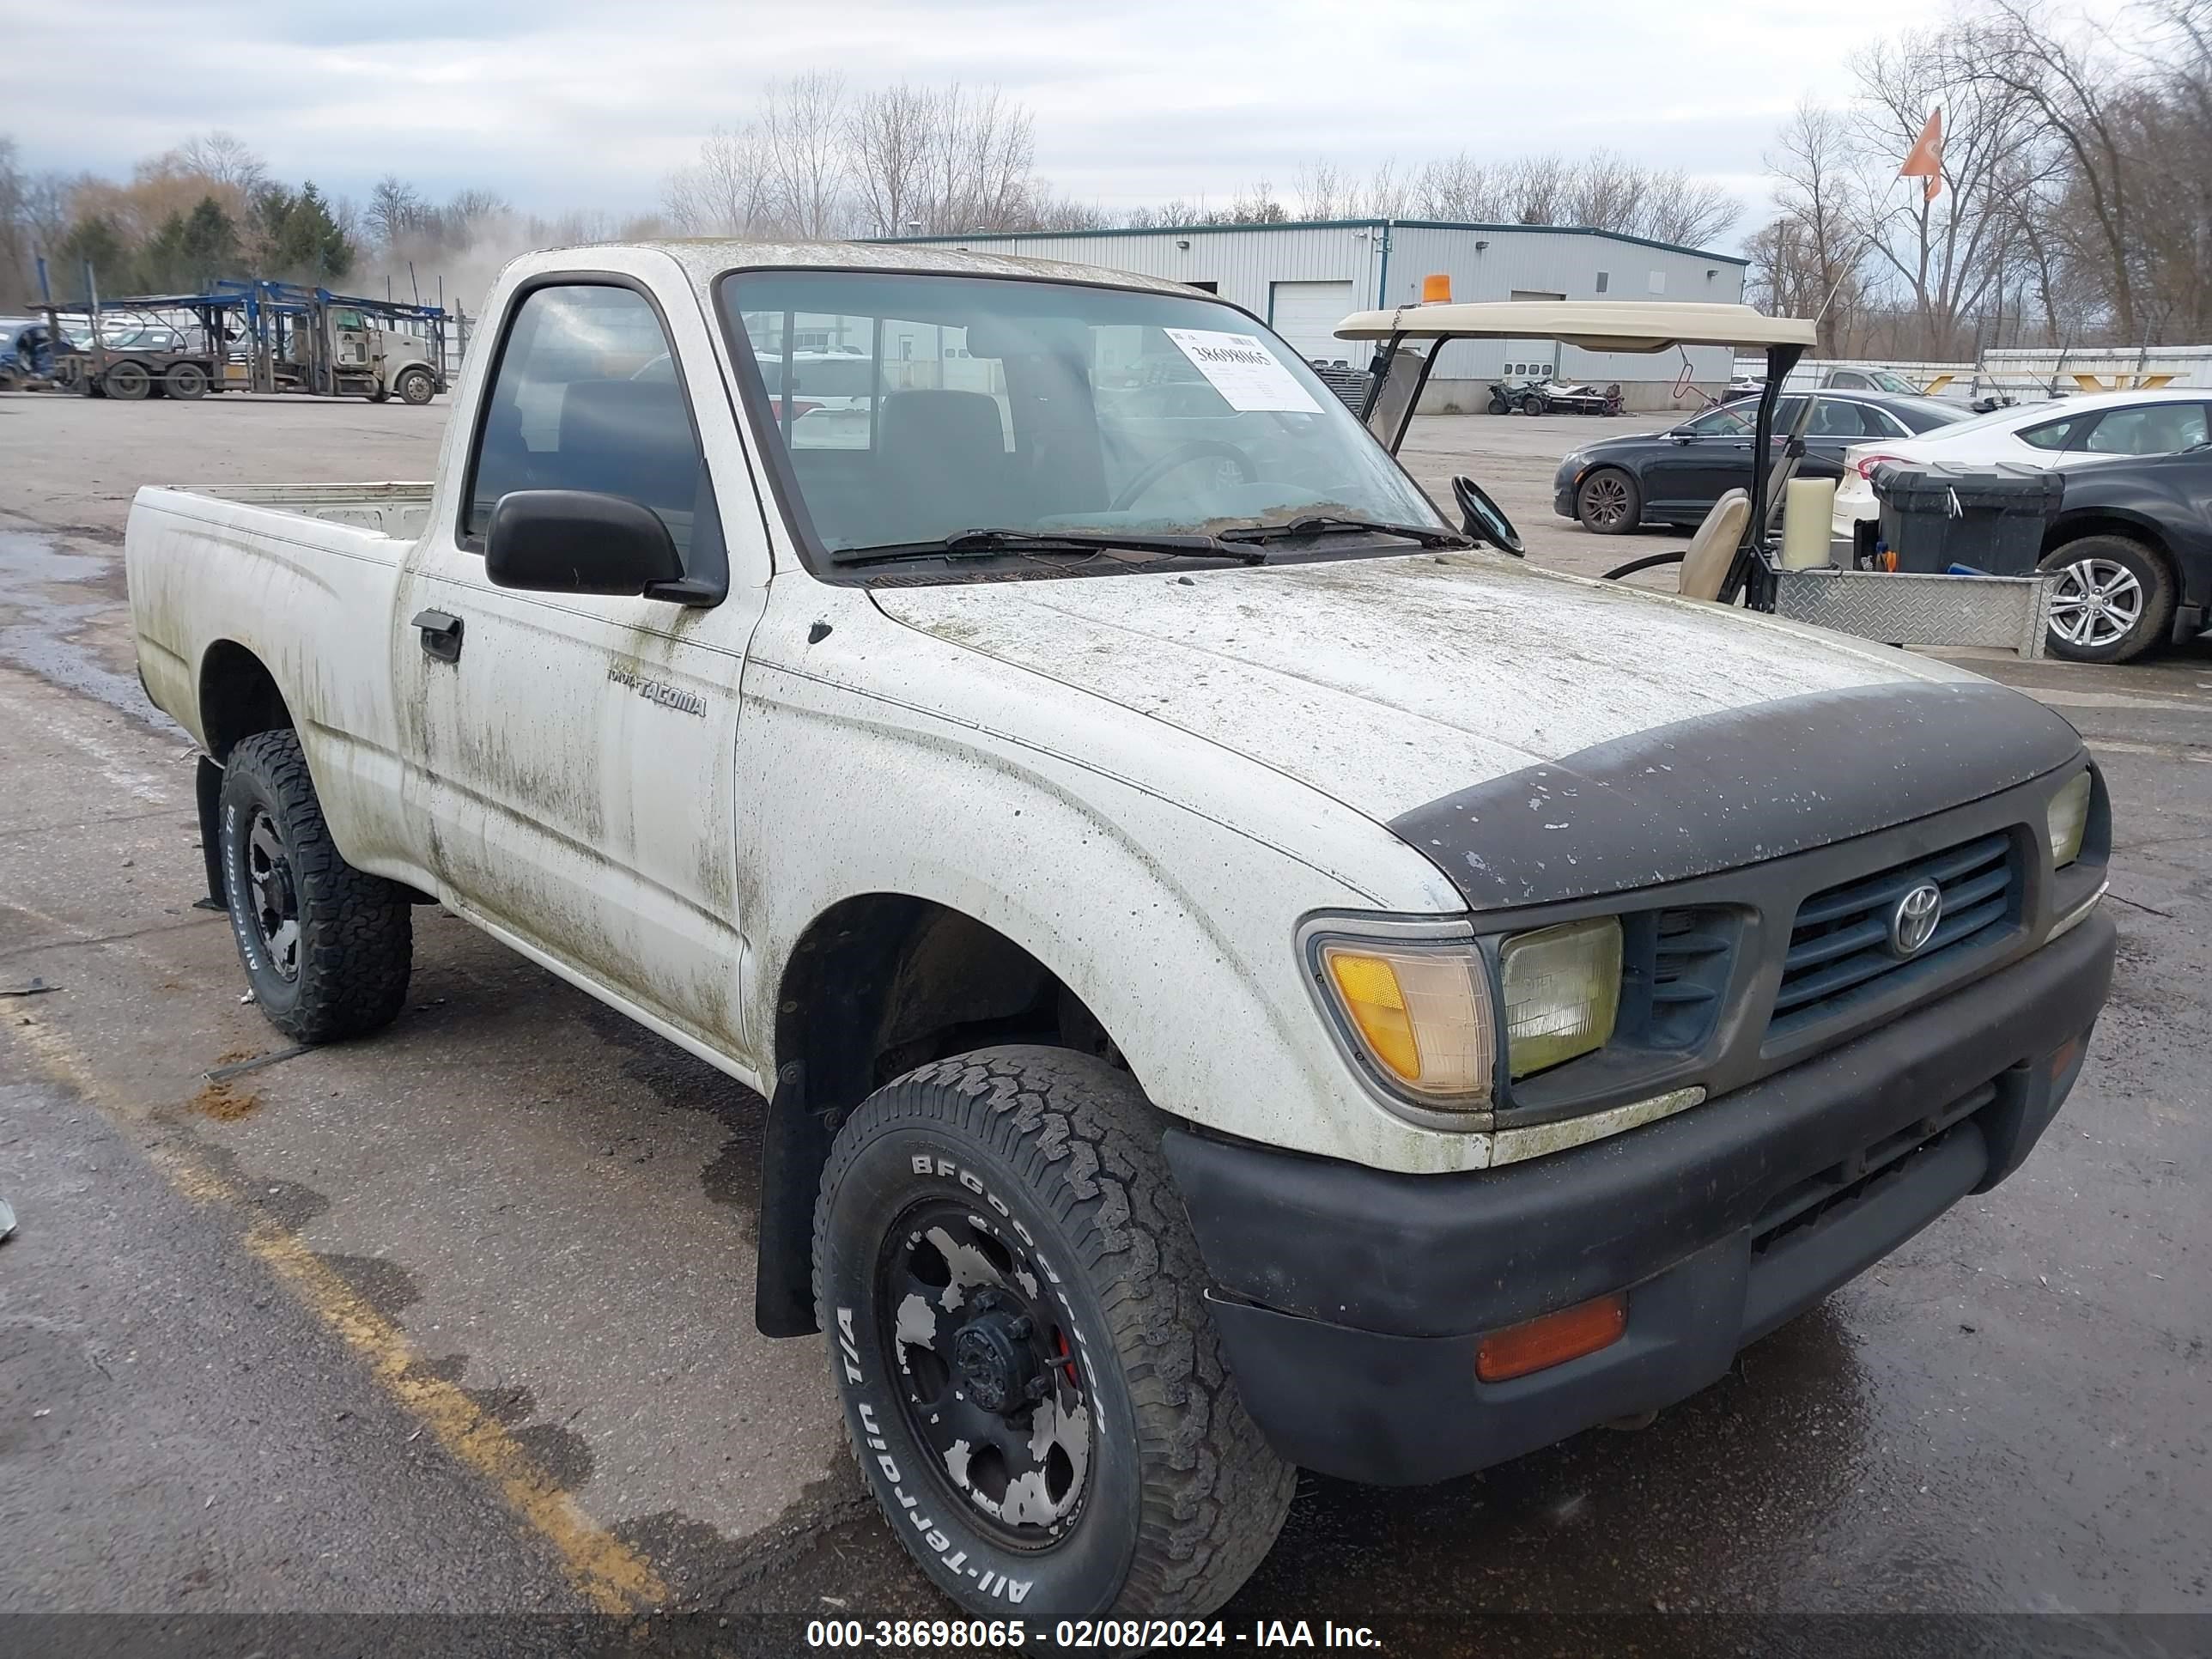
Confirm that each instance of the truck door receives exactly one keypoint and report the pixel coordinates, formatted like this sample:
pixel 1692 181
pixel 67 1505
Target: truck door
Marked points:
pixel 569 757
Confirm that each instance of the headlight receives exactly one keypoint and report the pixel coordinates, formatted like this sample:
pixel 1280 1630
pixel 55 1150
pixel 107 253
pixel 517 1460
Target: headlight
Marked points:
pixel 1562 992
pixel 2068 820
pixel 1422 1015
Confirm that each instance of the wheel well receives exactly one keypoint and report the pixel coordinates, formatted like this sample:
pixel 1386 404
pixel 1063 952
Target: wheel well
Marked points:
pixel 2075 529
pixel 878 985
pixel 238 697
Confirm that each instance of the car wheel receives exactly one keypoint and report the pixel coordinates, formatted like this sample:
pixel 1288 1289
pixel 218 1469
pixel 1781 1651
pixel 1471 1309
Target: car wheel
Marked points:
pixel 127 382
pixel 1015 1314
pixel 2112 599
pixel 185 380
pixel 414 387
pixel 326 947
pixel 1608 503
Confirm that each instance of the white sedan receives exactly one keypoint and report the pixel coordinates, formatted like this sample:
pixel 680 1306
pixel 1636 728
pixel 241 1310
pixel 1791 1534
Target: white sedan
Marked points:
pixel 2067 432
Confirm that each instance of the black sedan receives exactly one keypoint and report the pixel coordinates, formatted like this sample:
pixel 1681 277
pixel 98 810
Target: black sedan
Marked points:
pixel 2132 546
pixel 1674 477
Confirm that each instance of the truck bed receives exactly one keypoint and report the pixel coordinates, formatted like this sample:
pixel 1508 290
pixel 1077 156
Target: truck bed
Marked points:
pixel 398 510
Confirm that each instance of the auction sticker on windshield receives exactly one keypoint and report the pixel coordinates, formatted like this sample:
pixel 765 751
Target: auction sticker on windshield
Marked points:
pixel 1243 371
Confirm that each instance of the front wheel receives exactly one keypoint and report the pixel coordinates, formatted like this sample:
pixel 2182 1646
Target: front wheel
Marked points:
pixel 1532 404
pixel 1608 503
pixel 1498 405
pixel 1014 1308
pixel 2112 601
pixel 414 387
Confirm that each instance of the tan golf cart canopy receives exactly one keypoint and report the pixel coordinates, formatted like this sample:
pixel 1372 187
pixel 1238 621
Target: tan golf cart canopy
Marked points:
pixel 1592 324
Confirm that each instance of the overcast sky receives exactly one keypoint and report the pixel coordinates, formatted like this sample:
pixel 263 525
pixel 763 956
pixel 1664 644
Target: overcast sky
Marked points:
pixel 557 103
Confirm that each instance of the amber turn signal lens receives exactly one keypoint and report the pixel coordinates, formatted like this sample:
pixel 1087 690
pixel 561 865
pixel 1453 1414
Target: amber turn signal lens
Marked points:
pixel 1552 1340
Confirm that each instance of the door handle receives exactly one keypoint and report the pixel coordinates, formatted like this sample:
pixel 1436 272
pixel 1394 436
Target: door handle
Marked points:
pixel 442 634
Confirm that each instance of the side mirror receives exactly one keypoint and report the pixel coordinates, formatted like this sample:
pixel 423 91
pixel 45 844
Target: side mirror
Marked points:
pixel 1483 519
pixel 579 541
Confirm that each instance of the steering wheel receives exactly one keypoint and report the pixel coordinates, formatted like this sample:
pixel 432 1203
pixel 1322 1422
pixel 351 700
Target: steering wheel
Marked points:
pixel 1183 455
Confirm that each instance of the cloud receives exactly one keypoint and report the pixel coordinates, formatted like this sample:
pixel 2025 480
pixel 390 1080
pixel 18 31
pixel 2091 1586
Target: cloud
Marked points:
pixel 564 104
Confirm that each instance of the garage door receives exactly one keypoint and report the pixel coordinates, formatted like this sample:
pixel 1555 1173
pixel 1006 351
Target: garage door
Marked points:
pixel 1307 314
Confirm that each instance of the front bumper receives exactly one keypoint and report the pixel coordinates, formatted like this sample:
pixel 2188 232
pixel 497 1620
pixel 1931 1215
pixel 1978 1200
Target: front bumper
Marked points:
pixel 1350 1300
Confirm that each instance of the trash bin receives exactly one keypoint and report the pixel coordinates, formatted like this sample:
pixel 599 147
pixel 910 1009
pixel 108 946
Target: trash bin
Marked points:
pixel 1989 518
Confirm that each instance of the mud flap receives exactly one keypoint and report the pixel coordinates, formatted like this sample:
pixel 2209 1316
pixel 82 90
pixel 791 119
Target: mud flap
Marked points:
pixel 207 786
pixel 794 1147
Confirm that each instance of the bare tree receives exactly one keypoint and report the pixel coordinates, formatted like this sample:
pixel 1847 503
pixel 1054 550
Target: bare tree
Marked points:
pixel 887 137
pixel 1457 187
pixel 1672 207
pixel 802 141
pixel 1814 250
pixel 395 211
pixel 2016 48
pixel 1949 250
pixel 227 159
pixel 1535 189
pixel 727 191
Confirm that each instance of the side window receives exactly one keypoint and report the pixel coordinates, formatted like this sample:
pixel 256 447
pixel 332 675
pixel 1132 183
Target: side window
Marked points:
pixel 1724 423
pixel 1847 379
pixel 2149 430
pixel 2056 434
pixel 585 397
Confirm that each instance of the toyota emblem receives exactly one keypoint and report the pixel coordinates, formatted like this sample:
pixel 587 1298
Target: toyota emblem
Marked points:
pixel 1912 924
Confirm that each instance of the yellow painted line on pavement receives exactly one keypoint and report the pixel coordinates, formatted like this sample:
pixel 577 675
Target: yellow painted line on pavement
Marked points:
pixel 611 1576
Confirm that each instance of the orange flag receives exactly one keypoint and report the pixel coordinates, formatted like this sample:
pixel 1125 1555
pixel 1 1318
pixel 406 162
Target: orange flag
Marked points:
pixel 1925 159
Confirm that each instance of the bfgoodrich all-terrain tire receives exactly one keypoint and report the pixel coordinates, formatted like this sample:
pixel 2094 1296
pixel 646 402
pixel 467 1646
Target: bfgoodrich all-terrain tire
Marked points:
pixel 326 947
pixel 1013 1305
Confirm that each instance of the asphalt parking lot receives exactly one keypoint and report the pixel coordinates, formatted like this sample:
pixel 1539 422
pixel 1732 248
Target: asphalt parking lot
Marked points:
pixel 457 1318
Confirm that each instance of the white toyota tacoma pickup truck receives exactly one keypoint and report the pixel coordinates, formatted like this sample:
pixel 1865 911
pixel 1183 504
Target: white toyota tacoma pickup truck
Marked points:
pixel 1242 976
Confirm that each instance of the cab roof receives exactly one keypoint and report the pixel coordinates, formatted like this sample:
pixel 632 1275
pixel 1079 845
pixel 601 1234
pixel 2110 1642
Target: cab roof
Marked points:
pixel 1592 324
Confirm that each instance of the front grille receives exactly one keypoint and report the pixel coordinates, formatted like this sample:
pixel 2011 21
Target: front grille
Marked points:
pixel 1689 971
pixel 1818 1196
pixel 1839 948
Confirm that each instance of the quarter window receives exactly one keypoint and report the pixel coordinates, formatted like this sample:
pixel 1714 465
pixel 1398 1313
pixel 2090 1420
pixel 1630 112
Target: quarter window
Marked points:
pixel 587 397
pixel 2057 434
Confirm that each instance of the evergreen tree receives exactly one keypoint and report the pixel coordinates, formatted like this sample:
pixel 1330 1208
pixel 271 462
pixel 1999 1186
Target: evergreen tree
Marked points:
pixel 95 242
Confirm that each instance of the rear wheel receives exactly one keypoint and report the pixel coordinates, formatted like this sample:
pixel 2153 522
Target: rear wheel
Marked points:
pixel 326 947
pixel 1014 1308
pixel 1608 503
pixel 127 382
pixel 185 380
pixel 2112 600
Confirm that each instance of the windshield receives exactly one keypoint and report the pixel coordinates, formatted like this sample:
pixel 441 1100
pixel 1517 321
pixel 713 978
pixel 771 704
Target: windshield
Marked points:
pixel 914 407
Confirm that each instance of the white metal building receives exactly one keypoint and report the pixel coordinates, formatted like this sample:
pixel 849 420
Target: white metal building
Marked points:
pixel 1303 279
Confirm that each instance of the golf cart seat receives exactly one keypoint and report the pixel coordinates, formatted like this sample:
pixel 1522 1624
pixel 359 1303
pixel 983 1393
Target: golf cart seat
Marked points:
pixel 1712 548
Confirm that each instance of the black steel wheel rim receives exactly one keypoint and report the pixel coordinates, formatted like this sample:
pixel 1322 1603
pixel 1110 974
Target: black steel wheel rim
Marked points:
pixel 273 896
pixel 989 1373
pixel 1605 499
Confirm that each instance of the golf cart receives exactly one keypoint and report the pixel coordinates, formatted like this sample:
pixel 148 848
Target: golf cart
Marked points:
pixel 1736 553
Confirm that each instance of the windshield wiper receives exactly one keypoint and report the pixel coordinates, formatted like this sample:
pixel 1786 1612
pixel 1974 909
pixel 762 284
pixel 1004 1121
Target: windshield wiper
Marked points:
pixel 985 543
pixel 1324 525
